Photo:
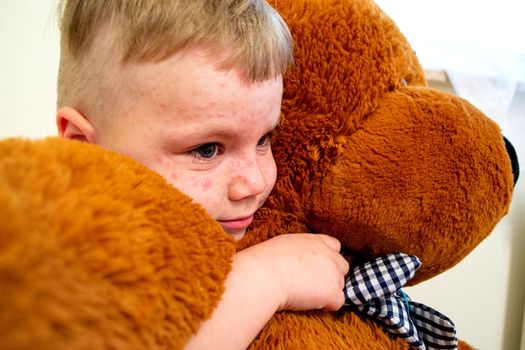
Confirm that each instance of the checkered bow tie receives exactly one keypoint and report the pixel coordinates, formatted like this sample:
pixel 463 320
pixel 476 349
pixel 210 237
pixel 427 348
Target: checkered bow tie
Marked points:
pixel 374 288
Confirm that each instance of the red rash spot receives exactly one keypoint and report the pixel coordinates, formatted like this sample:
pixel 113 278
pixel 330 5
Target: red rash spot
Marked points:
pixel 206 185
pixel 201 184
pixel 160 159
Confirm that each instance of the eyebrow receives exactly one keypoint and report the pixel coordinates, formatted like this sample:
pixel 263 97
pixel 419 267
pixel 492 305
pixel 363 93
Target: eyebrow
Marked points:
pixel 225 132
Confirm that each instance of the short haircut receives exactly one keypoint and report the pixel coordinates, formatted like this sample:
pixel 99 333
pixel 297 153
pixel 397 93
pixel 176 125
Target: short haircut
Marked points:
pixel 249 35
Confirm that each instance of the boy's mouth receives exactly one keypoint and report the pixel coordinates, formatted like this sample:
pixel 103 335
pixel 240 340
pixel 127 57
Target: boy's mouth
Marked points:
pixel 236 224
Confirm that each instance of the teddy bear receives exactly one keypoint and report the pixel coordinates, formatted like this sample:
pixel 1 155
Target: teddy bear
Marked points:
pixel 97 251
pixel 368 153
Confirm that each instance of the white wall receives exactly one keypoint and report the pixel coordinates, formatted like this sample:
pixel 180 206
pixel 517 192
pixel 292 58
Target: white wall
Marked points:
pixel 28 67
pixel 484 294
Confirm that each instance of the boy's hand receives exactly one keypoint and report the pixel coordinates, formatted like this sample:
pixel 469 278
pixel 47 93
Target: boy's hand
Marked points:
pixel 303 271
pixel 288 272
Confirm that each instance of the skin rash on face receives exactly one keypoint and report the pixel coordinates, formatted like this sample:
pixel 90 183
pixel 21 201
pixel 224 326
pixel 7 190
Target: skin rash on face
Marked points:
pixel 206 131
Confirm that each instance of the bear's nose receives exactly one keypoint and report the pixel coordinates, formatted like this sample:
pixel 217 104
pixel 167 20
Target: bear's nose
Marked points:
pixel 513 159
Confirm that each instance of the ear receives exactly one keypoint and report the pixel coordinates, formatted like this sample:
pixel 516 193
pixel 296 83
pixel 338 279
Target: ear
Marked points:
pixel 73 125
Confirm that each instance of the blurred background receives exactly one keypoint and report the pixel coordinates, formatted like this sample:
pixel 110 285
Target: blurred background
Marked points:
pixel 474 49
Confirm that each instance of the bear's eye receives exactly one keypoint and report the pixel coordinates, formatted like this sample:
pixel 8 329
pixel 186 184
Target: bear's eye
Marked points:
pixel 404 82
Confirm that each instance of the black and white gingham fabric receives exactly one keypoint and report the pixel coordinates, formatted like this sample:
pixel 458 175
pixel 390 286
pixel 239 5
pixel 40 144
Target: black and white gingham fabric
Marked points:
pixel 374 288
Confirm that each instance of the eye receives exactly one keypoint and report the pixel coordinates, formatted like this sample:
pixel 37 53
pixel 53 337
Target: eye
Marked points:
pixel 206 151
pixel 265 140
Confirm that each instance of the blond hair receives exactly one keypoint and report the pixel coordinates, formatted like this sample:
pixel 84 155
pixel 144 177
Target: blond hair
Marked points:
pixel 97 34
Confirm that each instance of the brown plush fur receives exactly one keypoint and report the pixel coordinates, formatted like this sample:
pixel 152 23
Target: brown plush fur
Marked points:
pixel 98 252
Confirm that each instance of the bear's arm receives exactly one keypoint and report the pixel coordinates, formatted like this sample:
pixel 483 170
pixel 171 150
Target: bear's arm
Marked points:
pixel 96 251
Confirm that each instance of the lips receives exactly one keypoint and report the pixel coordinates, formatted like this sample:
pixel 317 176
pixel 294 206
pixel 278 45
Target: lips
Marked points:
pixel 237 224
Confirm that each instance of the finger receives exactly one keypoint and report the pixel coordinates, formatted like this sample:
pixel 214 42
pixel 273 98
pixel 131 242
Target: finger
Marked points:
pixel 341 301
pixel 342 282
pixel 340 263
pixel 331 242
pixel 343 264
pixel 338 302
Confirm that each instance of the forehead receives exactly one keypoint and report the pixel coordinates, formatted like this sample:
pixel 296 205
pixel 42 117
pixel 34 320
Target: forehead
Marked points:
pixel 186 97
pixel 192 80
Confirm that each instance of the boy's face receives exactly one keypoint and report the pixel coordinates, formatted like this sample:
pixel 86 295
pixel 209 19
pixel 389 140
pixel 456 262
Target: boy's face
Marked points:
pixel 204 130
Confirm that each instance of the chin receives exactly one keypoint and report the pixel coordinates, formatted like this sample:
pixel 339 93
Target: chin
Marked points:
pixel 236 234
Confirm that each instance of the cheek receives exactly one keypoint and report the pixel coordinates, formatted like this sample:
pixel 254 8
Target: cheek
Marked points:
pixel 204 185
pixel 270 172
pixel 194 186
pixel 161 161
pixel 204 191
pixel 200 190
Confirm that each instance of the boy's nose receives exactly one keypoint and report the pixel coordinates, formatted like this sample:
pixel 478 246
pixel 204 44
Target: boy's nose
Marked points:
pixel 247 180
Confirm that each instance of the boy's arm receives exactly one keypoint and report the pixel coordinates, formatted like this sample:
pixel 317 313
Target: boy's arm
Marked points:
pixel 288 272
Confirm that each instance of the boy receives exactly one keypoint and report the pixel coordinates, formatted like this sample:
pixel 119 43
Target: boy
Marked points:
pixel 192 89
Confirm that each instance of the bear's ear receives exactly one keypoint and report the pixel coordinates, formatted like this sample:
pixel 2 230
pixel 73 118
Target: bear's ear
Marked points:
pixel 348 55
pixel 73 125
